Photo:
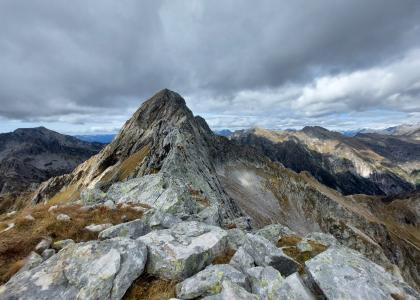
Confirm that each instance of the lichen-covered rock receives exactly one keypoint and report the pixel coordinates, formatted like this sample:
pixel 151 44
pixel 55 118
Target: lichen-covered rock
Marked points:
pixel 232 291
pixel 47 253
pixel 236 238
pixel 303 246
pixel 45 243
pixel 58 245
pixel 341 273
pixel 133 230
pixel 241 260
pixel 63 218
pixel 274 232
pixel 110 204
pixel 184 249
pixel 265 253
pixel 265 281
pixel 209 281
pixel 98 227
pixel 293 288
pixel 91 270
pixel 92 195
pixel 158 219
pixel 33 260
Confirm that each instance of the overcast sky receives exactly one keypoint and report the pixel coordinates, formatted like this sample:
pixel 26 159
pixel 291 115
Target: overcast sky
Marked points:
pixel 85 66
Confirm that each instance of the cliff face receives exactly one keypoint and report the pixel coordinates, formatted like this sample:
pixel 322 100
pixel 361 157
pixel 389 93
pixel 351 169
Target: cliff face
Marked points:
pixel 169 160
pixel 31 156
pixel 369 164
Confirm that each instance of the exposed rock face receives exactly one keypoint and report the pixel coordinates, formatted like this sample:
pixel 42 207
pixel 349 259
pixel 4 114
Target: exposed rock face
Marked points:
pixel 183 250
pixel 92 270
pixel 32 155
pixel 133 230
pixel 231 291
pixel 370 164
pixel 341 273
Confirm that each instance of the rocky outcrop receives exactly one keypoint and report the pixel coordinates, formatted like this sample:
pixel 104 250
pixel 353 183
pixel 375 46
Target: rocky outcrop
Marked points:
pixel 133 229
pixel 92 270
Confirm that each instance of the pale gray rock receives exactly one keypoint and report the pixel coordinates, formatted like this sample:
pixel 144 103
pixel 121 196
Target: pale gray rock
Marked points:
pixel 266 253
pixel 63 218
pixel 45 243
pixel 265 281
pixel 303 246
pixel 91 270
pixel 91 196
pixel 158 219
pixel 47 253
pixel 33 260
pixel 209 281
pixel 184 249
pixel 293 288
pixel 241 260
pixel 232 291
pixel 98 227
pixel 322 238
pixel 236 238
pixel 341 273
pixel 132 229
pixel 110 204
pixel 58 245
pixel 29 218
pixel 274 232
pixel 52 208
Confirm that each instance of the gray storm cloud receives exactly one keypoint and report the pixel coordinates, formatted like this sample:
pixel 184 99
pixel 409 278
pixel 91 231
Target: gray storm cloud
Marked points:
pixel 236 61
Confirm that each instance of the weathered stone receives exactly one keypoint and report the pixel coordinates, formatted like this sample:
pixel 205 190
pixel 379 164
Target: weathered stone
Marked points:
pixel 133 230
pixel 293 288
pixel 52 208
pixel 110 204
pixel 236 238
pixel 232 291
pixel 63 218
pixel 341 273
pixel 33 260
pixel 241 260
pixel 29 218
pixel 93 195
pixel 91 270
pixel 98 227
pixel 209 281
pixel 183 250
pixel 58 245
pixel 43 244
pixel 265 253
pixel 304 246
pixel 322 238
pixel 265 281
pixel 274 232
pixel 243 223
pixel 158 219
pixel 47 253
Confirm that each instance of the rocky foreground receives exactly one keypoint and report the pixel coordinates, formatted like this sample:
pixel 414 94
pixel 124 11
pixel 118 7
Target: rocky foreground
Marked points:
pixel 218 221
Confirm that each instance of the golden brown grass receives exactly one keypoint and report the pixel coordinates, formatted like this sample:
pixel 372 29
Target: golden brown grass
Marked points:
pixel 131 163
pixel 70 193
pixel 224 258
pixel 288 244
pixel 151 288
pixel 18 242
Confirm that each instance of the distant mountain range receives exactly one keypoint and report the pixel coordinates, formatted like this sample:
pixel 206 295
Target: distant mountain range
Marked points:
pixel 99 138
pixel 29 156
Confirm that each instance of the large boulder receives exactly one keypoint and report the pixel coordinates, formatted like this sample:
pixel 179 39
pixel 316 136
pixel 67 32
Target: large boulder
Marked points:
pixel 158 219
pixel 274 232
pixel 241 260
pixel 133 230
pixel 209 281
pixel 341 273
pixel 91 270
pixel 265 281
pixel 184 249
pixel 266 253
pixel 293 288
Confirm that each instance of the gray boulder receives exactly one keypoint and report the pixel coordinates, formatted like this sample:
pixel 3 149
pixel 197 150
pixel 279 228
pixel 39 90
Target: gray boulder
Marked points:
pixel 241 260
pixel 293 288
pixel 322 238
pixel 133 230
pixel 341 273
pixel 266 253
pixel 45 243
pixel 158 219
pixel 47 253
pixel 183 250
pixel 232 291
pixel 91 270
pixel 265 281
pixel 236 238
pixel 33 260
pixel 63 218
pixel 209 281
pixel 110 204
pixel 58 245
pixel 98 227
pixel 274 232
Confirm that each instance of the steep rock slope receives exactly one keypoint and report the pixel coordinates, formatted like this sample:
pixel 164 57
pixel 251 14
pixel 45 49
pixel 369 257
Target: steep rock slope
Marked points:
pixel 370 164
pixel 29 156
pixel 167 159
